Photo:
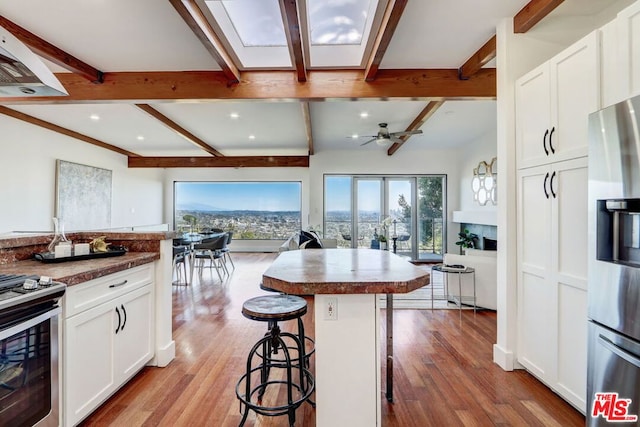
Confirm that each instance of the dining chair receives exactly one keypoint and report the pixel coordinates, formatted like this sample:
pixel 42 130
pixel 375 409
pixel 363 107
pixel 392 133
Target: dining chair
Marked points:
pixel 226 252
pixel 180 255
pixel 211 249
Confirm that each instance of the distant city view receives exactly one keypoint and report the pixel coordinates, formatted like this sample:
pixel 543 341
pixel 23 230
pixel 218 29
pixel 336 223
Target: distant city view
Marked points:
pixel 252 210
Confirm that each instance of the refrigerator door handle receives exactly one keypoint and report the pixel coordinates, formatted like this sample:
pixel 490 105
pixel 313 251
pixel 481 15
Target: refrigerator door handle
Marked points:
pixel 619 351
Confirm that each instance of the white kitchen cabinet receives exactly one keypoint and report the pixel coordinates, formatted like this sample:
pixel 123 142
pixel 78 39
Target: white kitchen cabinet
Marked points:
pixel 629 41
pixel 553 102
pixel 107 341
pixel 552 275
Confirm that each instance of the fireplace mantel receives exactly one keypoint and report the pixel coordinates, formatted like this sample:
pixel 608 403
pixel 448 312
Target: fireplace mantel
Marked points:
pixel 484 217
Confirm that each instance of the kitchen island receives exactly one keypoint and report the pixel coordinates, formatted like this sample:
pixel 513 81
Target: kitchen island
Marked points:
pixel 346 284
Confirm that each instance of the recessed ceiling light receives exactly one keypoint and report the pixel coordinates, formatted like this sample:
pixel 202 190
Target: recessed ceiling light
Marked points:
pixel 364 114
pixel 94 117
pixel 252 137
pixel 234 115
pixel 354 136
pixel 140 138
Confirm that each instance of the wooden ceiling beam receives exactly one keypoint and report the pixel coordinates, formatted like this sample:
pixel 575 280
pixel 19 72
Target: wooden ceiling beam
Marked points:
pixel 220 162
pixel 150 87
pixel 64 131
pixel 390 21
pixel 178 129
pixel 417 123
pixel 478 60
pixel 195 19
pixel 306 117
pixel 291 20
pixel 52 53
pixel 532 13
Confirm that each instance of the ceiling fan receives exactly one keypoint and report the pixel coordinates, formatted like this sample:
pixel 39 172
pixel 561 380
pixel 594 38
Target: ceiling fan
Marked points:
pixel 384 137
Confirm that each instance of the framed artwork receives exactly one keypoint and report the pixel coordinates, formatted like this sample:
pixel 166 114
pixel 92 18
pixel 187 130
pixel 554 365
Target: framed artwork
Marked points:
pixel 83 196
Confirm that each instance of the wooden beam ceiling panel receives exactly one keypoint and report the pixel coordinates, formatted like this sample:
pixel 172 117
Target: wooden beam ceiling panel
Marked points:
pixel 64 131
pixel 52 53
pixel 306 117
pixel 147 87
pixel 390 21
pixel 220 162
pixel 533 13
pixel 289 10
pixel 195 19
pixel 479 59
pixel 417 123
pixel 178 129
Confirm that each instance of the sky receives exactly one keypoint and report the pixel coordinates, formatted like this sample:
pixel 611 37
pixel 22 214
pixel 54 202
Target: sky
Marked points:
pixel 257 196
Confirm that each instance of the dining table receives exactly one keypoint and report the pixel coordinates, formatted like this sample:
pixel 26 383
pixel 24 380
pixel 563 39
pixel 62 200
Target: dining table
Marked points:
pixel 348 286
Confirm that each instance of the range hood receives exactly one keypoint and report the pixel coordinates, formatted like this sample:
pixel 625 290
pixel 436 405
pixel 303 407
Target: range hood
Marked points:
pixel 22 73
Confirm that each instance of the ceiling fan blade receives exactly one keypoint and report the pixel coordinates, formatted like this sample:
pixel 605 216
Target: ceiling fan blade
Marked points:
pixel 365 143
pixel 396 140
pixel 411 132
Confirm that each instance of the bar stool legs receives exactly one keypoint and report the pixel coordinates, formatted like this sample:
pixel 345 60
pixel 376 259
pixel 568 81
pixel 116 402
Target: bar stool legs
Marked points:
pixel 278 359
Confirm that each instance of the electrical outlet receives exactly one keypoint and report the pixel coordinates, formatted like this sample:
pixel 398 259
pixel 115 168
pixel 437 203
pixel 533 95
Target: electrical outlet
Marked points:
pixel 331 308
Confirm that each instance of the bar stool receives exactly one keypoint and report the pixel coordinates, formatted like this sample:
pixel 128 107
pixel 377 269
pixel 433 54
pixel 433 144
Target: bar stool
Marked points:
pixel 273 309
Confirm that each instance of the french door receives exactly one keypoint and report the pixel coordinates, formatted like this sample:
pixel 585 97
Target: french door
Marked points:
pixel 366 211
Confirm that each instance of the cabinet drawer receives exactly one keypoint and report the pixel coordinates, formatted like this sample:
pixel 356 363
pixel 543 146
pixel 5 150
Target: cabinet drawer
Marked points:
pixel 86 295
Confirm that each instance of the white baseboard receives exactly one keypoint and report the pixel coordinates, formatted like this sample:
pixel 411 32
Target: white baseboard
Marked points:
pixel 503 358
pixel 164 355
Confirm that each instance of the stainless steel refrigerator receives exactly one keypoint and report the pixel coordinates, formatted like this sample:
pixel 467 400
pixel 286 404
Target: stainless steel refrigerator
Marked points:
pixel 613 374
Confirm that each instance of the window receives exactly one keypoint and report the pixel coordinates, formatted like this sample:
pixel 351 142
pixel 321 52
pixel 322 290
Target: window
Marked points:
pixel 252 210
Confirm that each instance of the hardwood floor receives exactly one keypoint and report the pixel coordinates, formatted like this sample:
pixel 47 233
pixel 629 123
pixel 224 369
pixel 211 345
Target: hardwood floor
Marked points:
pixel 444 374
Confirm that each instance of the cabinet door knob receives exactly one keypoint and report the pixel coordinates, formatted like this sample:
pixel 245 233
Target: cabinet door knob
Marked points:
pixel 544 141
pixel 553 175
pixel 119 320
pixel 124 322
pixel 553 150
pixel 544 186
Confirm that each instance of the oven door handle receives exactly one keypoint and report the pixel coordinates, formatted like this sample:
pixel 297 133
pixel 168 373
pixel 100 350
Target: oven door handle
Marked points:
pixel 619 351
pixel 24 325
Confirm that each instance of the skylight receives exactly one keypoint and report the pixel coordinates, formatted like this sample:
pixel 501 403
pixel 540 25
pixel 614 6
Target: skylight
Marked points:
pixel 257 22
pixel 337 22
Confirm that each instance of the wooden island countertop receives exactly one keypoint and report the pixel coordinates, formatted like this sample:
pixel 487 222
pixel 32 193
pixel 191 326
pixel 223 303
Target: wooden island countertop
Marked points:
pixel 343 271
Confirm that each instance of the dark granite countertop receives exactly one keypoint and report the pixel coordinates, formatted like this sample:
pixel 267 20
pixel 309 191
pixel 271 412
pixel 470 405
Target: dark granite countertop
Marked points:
pixel 75 272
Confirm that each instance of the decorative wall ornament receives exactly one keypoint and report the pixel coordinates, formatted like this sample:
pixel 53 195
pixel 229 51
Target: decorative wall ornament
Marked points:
pixel 484 182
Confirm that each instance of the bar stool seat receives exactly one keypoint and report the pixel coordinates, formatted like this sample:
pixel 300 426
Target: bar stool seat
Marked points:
pixel 272 309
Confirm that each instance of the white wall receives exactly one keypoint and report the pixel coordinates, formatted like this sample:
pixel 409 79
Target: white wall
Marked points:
pixel 482 149
pixel 27 177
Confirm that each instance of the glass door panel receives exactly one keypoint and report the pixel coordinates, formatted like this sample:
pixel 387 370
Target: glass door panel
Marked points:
pixel 400 199
pixel 338 202
pixel 368 195
pixel 430 217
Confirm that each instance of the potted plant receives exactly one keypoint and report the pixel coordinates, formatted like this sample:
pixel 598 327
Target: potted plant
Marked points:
pixel 382 239
pixel 466 240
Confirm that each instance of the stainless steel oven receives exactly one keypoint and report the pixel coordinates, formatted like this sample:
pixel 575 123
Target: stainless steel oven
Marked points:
pixel 29 387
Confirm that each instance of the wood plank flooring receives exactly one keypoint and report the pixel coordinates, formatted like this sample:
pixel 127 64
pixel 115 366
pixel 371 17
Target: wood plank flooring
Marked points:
pixel 444 374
